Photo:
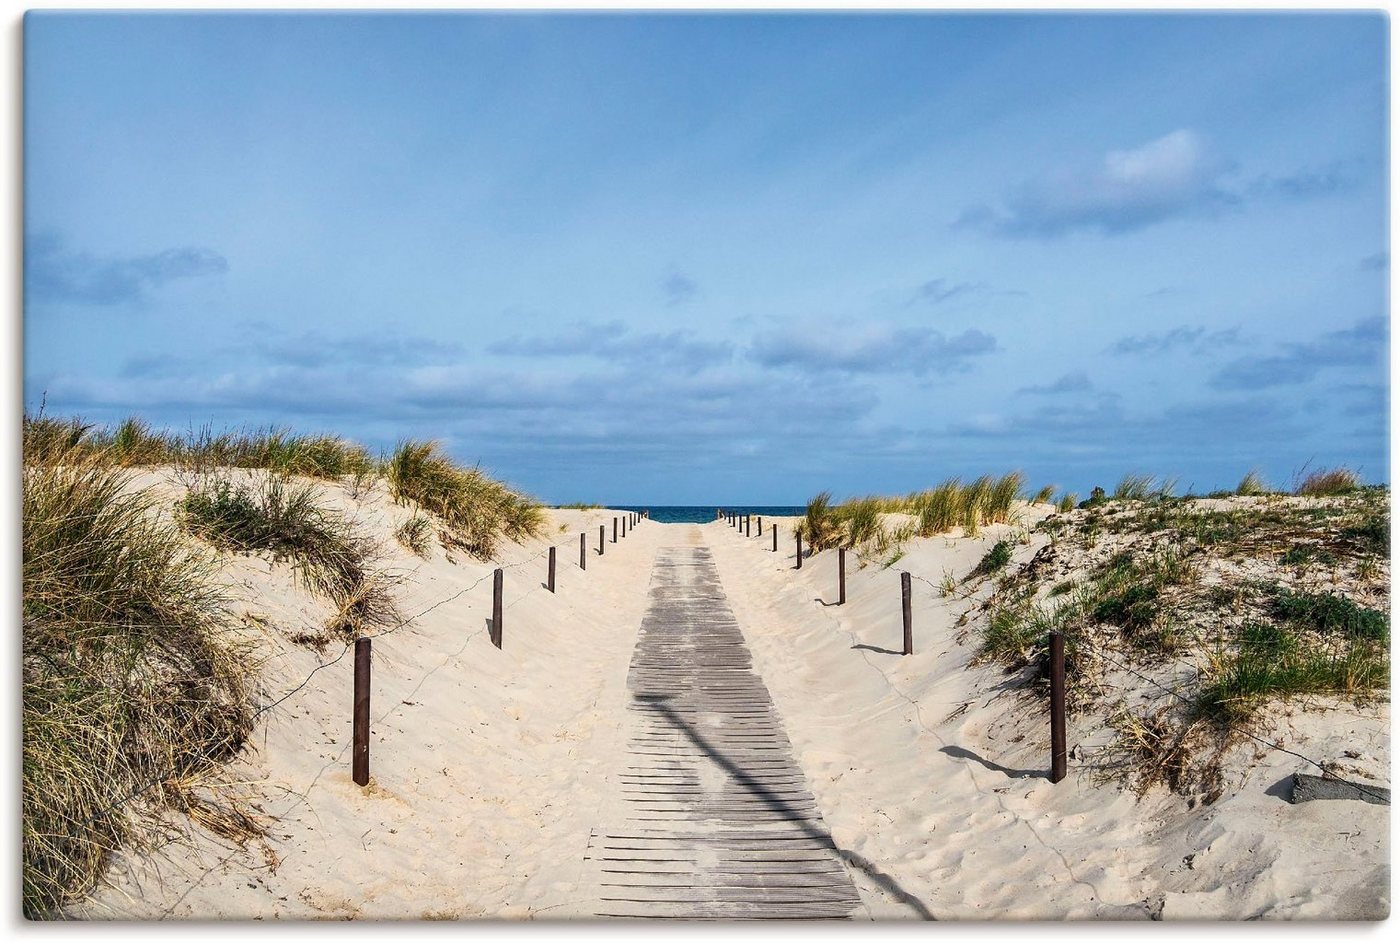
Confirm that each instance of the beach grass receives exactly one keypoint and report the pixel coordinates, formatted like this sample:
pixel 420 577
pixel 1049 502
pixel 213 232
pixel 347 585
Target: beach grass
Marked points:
pixel 288 520
pixel 1329 482
pixel 476 509
pixel 129 676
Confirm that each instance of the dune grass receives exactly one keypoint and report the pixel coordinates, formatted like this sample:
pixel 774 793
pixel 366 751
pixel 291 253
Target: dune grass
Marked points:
pixel 133 687
pixel 1326 483
pixel 477 510
pixel 1273 661
pixel 415 534
pixel 1252 484
pixel 951 504
pixel 133 443
pixel 129 678
pixel 278 516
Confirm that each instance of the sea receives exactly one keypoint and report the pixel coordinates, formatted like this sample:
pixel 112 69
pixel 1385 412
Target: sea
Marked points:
pixel 704 513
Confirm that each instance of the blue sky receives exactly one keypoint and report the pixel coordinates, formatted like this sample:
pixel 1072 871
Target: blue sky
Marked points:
pixel 723 258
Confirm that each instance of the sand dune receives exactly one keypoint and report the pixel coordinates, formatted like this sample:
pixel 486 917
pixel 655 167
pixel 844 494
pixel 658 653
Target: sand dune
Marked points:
pixel 490 768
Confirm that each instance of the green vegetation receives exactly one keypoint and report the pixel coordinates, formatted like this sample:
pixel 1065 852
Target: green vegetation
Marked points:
pixel 1273 661
pixel 994 560
pixel 1066 502
pixel 134 690
pixel 415 534
pixel 1330 613
pixel 1044 495
pixel 477 510
pixel 1372 534
pixel 132 443
pixel 129 679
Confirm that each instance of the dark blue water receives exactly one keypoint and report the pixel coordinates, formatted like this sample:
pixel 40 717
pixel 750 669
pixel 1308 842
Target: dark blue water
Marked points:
pixel 704 513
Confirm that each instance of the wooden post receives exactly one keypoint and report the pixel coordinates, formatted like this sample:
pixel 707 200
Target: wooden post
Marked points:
pixel 551 569
pixel 775 538
pixel 908 596
pixel 497 590
pixel 359 752
pixel 760 525
pixel 624 528
pixel 798 533
pixel 583 551
pixel 614 530
pixel 748 525
pixel 841 574
pixel 601 538
pixel 1057 707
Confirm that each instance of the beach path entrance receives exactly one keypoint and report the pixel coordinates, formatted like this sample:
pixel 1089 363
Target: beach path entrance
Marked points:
pixel 712 817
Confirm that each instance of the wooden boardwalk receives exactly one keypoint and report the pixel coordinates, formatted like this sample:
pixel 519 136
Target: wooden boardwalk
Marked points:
pixel 712 817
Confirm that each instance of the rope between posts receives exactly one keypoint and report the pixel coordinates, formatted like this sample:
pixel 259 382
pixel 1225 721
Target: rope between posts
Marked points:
pixel 281 699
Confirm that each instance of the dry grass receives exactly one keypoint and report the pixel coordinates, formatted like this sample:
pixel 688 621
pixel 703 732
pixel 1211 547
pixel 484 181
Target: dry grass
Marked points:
pixel 133 443
pixel 129 678
pixel 1329 482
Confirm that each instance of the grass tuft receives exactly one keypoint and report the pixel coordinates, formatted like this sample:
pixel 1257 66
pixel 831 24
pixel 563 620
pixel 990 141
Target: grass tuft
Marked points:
pixel 1252 483
pixel 994 561
pixel 477 510
pixel 1271 661
pixel 275 515
pixel 415 534
pixel 1329 482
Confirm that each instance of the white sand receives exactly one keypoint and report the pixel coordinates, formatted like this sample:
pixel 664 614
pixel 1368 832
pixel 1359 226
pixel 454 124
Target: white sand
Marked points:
pixel 491 767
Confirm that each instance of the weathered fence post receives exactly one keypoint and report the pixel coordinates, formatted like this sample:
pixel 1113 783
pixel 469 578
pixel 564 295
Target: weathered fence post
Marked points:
pixel 359 751
pixel 624 528
pixel 551 569
pixel 798 534
pixel 841 574
pixel 1057 707
pixel 760 525
pixel 614 530
pixel 748 525
pixel 497 591
pixel 775 538
pixel 602 539
pixel 583 551
pixel 907 595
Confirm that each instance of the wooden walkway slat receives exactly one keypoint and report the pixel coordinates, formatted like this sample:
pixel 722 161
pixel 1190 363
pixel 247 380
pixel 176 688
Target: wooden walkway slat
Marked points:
pixel 713 818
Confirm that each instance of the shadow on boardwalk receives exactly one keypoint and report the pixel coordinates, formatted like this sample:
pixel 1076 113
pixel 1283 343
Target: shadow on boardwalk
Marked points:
pixel 757 789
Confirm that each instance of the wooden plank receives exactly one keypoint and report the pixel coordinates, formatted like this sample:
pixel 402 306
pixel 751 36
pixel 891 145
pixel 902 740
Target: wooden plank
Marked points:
pixel 712 816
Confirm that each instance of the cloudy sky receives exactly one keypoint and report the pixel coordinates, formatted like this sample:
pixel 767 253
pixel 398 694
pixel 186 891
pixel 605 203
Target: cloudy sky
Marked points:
pixel 722 259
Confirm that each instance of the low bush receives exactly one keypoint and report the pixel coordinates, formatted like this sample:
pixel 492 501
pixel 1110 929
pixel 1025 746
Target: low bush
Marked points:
pixel 1327 612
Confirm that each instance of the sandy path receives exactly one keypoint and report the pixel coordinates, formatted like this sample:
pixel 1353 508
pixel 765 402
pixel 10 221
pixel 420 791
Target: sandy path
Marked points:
pixel 713 818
